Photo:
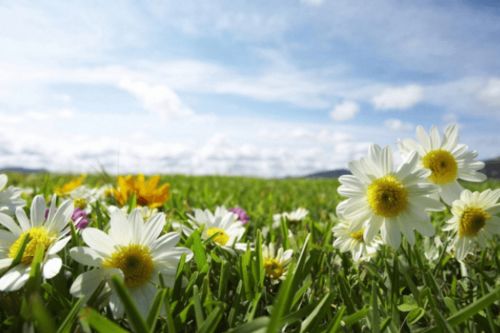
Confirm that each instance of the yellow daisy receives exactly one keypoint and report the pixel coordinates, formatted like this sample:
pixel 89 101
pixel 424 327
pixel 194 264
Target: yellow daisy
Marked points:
pixel 147 193
pixel 68 187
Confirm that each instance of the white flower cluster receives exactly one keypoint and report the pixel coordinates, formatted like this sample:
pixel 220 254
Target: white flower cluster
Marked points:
pixel 384 201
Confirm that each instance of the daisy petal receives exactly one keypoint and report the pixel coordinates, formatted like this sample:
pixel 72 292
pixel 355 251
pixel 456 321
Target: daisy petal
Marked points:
pixel 59 245
pixel 391 234
pixel 86 283
pixel 51 267
pixel 153 229
pixel 99 241
pixel 86 256
pixel 15 278
pixel 38 208
pixel 119 228
pixel 22 218
pixel 9 223
pixel 372 228
pixel 450 192
pixel 165 242
pixel 461 247
pixel 5 262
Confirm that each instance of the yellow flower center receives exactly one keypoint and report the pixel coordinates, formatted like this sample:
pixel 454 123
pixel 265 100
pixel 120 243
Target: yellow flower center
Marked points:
pixel 387 196
pixel 134 261
pixel 443 166
pixel 357 235
pixel 221 237
pixel 472 221
pixel 37 236
pixel 273 267
pixel 80 203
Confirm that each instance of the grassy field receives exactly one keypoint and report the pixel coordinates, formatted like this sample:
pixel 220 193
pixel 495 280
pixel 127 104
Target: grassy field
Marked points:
pixel 324 290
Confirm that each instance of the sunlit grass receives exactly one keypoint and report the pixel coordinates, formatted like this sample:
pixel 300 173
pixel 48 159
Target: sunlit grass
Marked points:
pixel 324 290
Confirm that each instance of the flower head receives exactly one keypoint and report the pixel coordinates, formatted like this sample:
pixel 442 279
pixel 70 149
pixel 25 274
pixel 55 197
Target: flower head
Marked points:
pixel 241 213
pixel 70 186
pixel 222 226
pixel 294 216
pixel 381 197
pixel 80 218
pixel 10 198
pixel 474 220
pixel 147 193
pixel 348 239
pixel 134 250
pixel 445 160
pixel 49 232
pixel 276 262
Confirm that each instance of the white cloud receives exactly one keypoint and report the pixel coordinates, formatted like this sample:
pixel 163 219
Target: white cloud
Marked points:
pixel 344 111
pixel 490 94
pixel 398 98
pixel 398 125
pixel 158 99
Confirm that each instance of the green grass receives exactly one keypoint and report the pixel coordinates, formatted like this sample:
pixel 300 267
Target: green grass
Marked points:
pixel 324 290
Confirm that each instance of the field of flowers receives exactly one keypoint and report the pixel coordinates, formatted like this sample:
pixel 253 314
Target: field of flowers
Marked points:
pixel 386 249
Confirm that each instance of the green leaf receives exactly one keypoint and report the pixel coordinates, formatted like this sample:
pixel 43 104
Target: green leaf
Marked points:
pixel 471 309
pixel 415 315
pixel 314 314
pixel 68 322
pixel 35 276
pixel 198 310
pixel 20 252
pixel 198 250
pixel 375 317
pixel 136 321
pixel 254 326
pixel 101 324
pixel 357 316
pixel 42 318
pixel 155 310
pixel 210 324
pixel 337 320
pixel 407 307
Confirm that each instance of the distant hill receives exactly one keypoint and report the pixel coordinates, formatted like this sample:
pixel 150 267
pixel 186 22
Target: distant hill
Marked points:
pixel 491 169
pixel 329 174
pixel 22 170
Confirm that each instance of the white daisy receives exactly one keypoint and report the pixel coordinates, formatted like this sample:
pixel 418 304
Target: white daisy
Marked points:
pixel 275 263
pixel 84 196
pixel 10 198
pixel 132 249
pixel 445 159
pixel 222 226
pixel 48 232
pixel 382 198
pixel 297 215
pixel 294 216
pixel 348 239
pixel 474 220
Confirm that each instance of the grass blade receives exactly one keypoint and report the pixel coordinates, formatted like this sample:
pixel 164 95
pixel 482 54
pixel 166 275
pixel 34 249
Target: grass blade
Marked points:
pixel 101 324
pixel 136 320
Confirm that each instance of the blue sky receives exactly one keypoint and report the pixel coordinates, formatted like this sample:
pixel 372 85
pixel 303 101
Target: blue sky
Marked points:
pixel 266 88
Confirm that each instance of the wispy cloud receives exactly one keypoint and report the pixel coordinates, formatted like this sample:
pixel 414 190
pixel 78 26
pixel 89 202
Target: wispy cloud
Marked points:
pixel 398 98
